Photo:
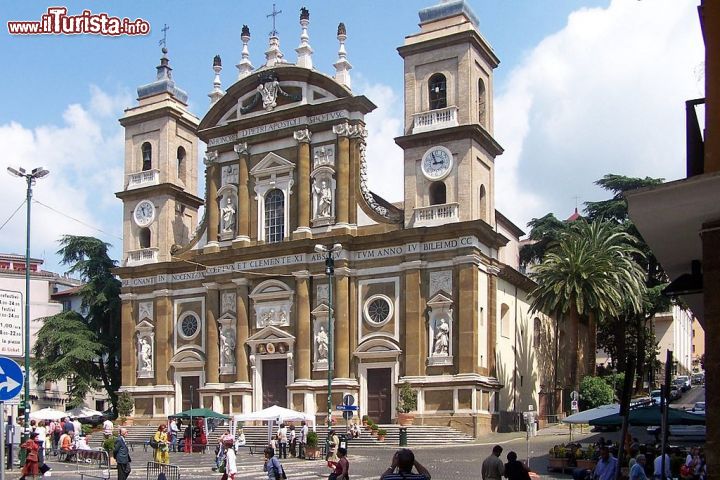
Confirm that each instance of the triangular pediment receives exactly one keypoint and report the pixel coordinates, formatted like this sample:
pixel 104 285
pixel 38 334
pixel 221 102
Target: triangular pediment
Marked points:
pixel 272 163
pixel 270 333
pixel 321 310
pixel 144 326
pixel 439 300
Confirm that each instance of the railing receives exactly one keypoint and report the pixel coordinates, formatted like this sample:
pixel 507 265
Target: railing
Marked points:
pixel 436 215
pixel 142 256
pixel 435 119
pixel 143 179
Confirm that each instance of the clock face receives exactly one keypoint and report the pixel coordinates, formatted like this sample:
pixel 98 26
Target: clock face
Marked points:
pixel 436 163
pixel 144 213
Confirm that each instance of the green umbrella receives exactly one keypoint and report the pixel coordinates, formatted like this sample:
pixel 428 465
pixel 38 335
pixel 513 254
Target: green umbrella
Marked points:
pixel 200 413
pixel 650 415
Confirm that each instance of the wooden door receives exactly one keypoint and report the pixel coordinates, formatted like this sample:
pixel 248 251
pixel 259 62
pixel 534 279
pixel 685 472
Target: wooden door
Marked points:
pixel 274 382
pixel 379 393
pixel 190 394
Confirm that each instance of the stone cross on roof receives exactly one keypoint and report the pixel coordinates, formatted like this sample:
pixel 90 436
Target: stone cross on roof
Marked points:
pixel 163 41
pixel 274 14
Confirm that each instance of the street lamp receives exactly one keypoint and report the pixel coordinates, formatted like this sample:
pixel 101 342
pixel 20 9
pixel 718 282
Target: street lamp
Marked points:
pixel 329 272
pixel 30 179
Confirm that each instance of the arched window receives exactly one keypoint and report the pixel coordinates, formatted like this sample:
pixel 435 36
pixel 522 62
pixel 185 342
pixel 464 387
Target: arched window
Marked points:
pixel 146 156
pixel 437 193
pixel 483 203
pixel 274 216
pixel 437 91
pixel 505 320
pixel 145 237
pixel 482 103
pixel 537 332
pixel 181 164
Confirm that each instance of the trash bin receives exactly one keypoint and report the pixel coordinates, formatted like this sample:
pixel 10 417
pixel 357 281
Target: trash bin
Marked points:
pixel 343 441
pixel 403 436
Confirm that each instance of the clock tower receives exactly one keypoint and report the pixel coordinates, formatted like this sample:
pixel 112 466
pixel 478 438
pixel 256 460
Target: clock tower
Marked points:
pixel 159 194
pixel 448 144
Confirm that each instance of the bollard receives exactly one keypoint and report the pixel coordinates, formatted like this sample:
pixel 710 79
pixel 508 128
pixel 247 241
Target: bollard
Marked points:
pixel 403 436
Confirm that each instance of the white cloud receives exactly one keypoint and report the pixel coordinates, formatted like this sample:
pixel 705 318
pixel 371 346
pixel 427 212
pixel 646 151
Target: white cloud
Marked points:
pixel 603 95
pixel 83 153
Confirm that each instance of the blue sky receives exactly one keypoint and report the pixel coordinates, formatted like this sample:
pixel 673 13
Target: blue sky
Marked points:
pixel 584 88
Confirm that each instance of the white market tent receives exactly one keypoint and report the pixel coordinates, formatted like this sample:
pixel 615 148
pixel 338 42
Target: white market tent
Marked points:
pixel 274 414
pixel 47 414
pixel 585 416
pixel 83 412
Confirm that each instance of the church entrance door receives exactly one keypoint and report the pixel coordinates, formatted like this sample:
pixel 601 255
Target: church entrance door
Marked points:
pixel 189 387
pixel 274 382
pixel 379 394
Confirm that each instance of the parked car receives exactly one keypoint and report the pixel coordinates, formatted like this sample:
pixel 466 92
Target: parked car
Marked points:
pixel 675 393
pixel 686 382
pixel 655 396
pixel 698 378
pixel 679 383
pixel 694 431
pixel 699 407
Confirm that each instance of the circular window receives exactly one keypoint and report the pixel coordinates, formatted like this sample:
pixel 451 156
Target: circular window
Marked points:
pixel 378 310
pixel 189 325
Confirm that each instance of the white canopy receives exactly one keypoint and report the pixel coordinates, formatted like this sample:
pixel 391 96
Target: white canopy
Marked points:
pixel 275 414
pixel 47 414
pixel 586 415
pixel 83 412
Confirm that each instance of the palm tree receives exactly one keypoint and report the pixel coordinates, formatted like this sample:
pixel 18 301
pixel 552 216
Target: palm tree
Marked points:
pixel 589 272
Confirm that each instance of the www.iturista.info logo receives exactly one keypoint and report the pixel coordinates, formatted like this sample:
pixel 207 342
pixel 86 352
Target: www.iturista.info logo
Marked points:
pixel 57 22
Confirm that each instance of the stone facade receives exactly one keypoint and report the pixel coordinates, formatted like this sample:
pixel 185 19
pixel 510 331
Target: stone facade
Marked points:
pixel 241 311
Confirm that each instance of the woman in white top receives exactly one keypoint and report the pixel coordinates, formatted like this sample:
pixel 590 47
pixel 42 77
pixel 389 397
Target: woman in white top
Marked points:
pixel 230 462
pixel 282 440
pixel 41 440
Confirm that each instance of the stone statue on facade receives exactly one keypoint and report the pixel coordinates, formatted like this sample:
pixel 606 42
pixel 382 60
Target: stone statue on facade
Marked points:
pixel 227 346
pixel 321 342
pixel 442 339
pixel 145 355
pixel 324 199
pixel 268 91
pixel 228 216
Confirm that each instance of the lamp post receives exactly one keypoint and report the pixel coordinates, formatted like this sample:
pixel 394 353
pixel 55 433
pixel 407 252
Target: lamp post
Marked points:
pixel 329 272
pixel 30 179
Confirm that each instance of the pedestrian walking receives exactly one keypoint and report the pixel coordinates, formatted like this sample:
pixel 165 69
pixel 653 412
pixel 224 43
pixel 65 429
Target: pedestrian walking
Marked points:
pixel 401 467
pixel 492 466
pixel 188 439
pixel 342 467
pixel 333 444
pixel 41 440
pixel 162 452
pixel 272 466
pixel 230 461
pixel 303 438
pixel 606 466
pixel 174 430
pixel 121 453
pixel 515 470
pixel 282 440
pixel 32 460
pixel 637 472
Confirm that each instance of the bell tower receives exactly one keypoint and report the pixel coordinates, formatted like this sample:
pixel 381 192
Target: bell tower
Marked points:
pixel 448 144
pixel 160 189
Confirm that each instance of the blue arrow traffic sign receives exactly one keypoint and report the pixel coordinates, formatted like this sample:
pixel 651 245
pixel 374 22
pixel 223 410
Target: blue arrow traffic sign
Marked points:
pixel 11 379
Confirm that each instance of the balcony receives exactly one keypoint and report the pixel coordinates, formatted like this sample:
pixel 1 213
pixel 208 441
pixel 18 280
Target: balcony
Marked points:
pixel 436 215
pixel 142 256
pixel 435 119
pixel 143 179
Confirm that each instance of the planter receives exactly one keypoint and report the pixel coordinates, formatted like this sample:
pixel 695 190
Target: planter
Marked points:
pixel 557 464
pixel 586 464
pixel 405 419
pixel 312 453
pixel 381 438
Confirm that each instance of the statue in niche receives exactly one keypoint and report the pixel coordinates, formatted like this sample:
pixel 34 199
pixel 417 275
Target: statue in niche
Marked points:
pixel 321 342
pixel 324 200
pixel 227 346
pixel 145 355
pixel 283 317
pixel 228 216
pixel 442 338
pixel 268 317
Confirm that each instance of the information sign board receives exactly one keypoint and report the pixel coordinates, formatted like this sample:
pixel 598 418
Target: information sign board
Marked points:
pixel 11 324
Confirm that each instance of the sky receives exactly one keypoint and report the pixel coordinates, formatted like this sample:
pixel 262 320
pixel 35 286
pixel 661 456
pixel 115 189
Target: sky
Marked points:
pixel 584 88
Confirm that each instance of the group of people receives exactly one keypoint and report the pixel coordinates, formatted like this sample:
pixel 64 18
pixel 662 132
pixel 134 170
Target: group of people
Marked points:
pixel 694 467
pixel 289 439
pixel 493 467
pixel 64 435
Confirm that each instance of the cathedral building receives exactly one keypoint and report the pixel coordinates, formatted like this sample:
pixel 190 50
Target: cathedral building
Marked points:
pixel 226 303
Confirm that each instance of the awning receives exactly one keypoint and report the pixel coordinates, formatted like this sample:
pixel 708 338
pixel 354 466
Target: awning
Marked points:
pixel 584 417
pixel 200 413
pixel 651 415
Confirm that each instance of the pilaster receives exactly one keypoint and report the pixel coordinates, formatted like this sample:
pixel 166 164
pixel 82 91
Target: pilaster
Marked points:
pixel 343 173
pixel 163 326
pixel 212 368
pixel 492 320
pixel 243 193
pixel 342 326
pixel 414 325
pixel 302 344
pixel 127 345
pixel 468 327
pixel 213 179
pixel 303 194
pixel 243 330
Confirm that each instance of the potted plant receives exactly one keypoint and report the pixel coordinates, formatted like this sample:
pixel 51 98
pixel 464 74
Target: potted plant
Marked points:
pixel 125 406
pixel 558 458
pixel 407 402
pixel 374 428
pixel 312 452
pixel 109 447
pixel 365 419
pixel 369 424
pixel 585 457
pixel 381 433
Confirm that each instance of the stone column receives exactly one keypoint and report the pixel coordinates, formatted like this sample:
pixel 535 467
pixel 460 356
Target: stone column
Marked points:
pixel 303 357
pixel 243 330
pixel 163 324
pixel 343 174
pixel 128 343
pixel 711 300
pixel 303 193
pixel 467 326
pixel 414 324
pixel 492 319
pixel 243 194
pixel 212 370
pixel 342 325
pixel 213 179
pixel 358 136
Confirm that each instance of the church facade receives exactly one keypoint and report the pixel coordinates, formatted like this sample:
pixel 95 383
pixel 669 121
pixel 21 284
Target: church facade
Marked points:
pixel 233 311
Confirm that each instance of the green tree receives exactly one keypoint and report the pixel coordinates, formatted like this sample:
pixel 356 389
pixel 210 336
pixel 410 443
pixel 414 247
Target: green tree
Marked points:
pixel 594 392
pixel 544 231
pixel 85 349
pixel 588 273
